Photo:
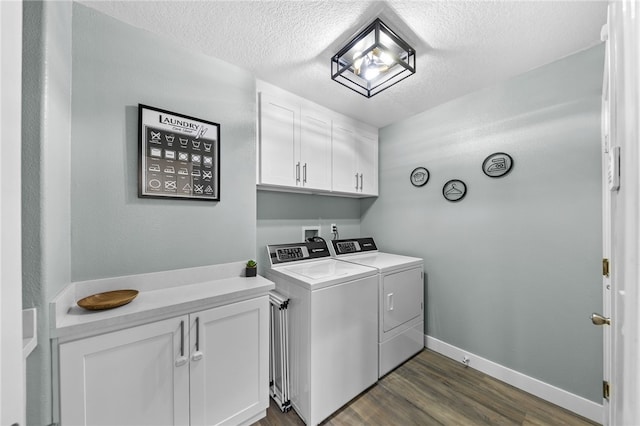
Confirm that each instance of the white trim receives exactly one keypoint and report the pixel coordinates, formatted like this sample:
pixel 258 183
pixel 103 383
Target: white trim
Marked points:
pixel 12 408
pixel 562 398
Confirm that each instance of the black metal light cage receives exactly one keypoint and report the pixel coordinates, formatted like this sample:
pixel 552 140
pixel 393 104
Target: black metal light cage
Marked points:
pixel 404 56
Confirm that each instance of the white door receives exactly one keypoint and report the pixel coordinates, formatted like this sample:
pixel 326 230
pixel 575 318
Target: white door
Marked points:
pixel 137 376
pixel 609 180
pixel 230 363
pixel 368 163
pixel 402 296
pixel 11 361
pixel 345 178
pixel 315 150
pixel 279 142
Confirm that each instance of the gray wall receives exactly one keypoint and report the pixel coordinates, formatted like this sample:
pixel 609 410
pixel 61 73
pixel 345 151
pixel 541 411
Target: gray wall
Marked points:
pixel 85 73
pixel 46 137
pixel 113 232
pixel 513 269
pixel 281 217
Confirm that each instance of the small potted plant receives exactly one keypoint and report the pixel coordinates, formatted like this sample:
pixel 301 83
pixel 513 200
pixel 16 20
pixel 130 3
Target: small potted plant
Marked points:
pixel 252 268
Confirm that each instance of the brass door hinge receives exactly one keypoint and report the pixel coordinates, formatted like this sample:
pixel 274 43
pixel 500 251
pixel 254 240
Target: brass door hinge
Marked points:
pixel 605 267
pixel 606 390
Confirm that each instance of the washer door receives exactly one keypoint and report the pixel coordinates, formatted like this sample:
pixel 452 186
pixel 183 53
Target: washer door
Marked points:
pixel 402 294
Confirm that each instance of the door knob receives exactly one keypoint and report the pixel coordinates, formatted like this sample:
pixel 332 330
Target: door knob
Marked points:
pixel 598 319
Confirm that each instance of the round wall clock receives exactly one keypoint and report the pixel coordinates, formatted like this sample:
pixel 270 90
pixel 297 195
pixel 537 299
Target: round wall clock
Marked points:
pixel 419 176
pixel 454 190
pixel 497 164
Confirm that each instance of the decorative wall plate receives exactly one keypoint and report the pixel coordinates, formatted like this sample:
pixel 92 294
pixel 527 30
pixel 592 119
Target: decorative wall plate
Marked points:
pixel 497 164
pixel 454 190
pixel 419 176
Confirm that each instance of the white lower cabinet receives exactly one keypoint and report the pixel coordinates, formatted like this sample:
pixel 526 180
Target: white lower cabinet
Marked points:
pixel 206 368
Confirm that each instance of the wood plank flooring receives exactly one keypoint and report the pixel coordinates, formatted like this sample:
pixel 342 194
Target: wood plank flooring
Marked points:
pixel 431 389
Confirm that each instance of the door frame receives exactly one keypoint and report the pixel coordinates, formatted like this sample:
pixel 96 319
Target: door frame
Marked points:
pixel 12 386
pixel 624 128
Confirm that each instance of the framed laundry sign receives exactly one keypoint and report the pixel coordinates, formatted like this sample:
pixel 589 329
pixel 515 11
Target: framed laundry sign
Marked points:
pixel 179 156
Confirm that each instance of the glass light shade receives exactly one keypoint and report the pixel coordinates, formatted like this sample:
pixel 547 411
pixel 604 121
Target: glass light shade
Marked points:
pixel 373 60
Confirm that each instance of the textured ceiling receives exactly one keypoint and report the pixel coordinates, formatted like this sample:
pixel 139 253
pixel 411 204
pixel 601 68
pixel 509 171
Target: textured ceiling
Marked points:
pixel 462 46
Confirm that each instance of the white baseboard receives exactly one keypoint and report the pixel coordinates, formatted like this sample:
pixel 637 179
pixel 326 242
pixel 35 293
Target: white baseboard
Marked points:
pixel 562 398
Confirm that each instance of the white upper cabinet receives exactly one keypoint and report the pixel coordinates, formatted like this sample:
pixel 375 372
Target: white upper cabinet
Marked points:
pixel 355 160
pixel 367 143
pixel 279 142
pixel 315 149
pixel 295 145
pixel 303 147
pixel 345 160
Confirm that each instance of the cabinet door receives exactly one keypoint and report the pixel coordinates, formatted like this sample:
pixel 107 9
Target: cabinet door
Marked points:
pixel 345 178
pixel 315 150
pixel 368 163
pixel 128 377
pixel 402 296
pixel 229 363
pixel 279 142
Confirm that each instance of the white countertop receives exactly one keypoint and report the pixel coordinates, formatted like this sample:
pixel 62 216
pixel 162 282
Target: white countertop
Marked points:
pixel 161 295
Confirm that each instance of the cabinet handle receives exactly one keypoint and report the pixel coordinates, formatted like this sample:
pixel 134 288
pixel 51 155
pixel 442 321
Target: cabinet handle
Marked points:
pixel 182 360
pixel 390 302
pixel 197 355
pixel 304 173
pixel 197 333
pixel 361 181
pixel 298 171
pixel 356 181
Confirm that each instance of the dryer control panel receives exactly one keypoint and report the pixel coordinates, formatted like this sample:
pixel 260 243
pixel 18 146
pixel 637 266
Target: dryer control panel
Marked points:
pixel 293 252
pixel 357 245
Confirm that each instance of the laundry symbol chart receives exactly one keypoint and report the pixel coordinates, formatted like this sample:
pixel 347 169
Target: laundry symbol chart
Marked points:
pixel 497 164
pixel 454 190
pixel 176 158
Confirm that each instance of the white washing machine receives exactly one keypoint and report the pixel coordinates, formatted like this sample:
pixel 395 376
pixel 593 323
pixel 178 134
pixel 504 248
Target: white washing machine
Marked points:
pixel 400 296
pixel 333 326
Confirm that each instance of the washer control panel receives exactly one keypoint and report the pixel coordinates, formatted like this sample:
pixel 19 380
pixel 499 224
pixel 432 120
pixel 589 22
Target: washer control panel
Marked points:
pixel 357 245
pixel 294 252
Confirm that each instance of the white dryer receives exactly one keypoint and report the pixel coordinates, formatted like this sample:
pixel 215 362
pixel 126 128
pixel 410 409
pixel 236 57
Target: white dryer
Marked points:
pixel 333 326
pixel 400 299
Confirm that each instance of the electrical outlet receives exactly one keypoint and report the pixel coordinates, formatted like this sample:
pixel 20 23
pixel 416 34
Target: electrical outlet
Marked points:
pixel 334 228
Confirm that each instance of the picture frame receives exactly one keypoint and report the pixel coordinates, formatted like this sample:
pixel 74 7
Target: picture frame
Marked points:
pixel 419 176
pixel 497 165
pixel 178 156
pixel 454 190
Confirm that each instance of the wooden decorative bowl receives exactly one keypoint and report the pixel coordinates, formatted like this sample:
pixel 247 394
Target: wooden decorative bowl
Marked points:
pixel 108 300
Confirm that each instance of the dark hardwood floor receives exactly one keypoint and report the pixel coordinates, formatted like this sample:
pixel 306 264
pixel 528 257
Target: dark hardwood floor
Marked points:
pixel 431 389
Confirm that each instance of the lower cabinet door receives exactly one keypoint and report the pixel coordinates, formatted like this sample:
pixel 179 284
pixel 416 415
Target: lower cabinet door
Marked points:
pixel 132 377
pixel 229 363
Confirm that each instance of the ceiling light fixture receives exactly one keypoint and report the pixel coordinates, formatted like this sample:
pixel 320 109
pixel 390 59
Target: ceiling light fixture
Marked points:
pixel 374 60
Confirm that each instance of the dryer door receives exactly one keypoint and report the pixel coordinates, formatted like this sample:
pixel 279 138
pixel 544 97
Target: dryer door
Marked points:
pixel 402 297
